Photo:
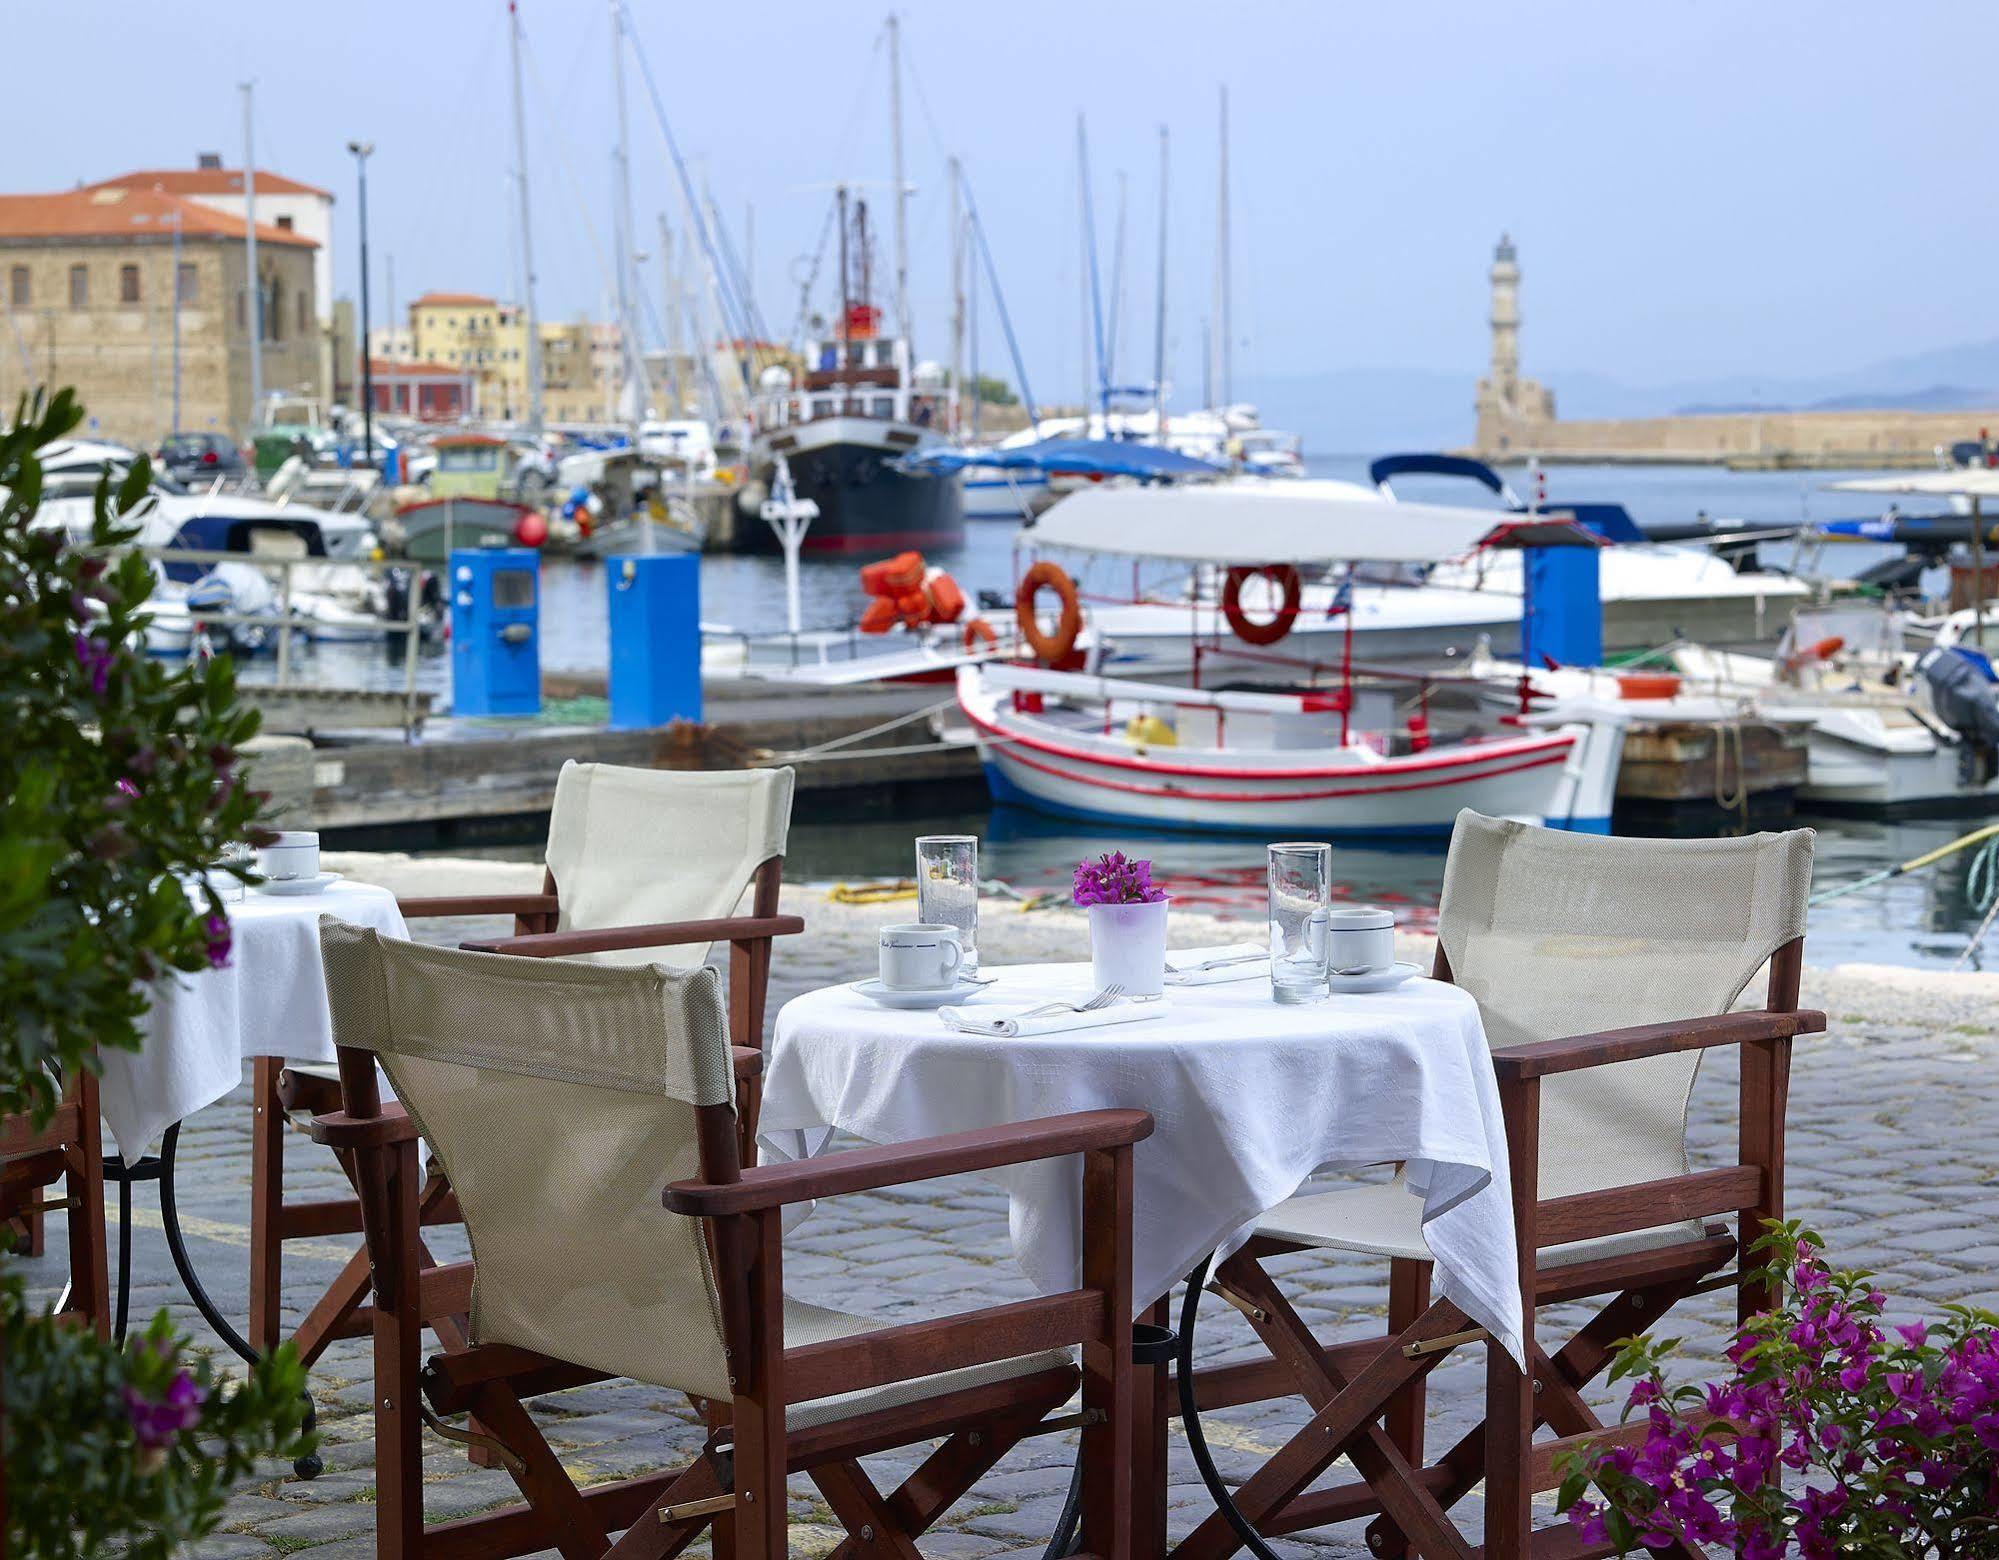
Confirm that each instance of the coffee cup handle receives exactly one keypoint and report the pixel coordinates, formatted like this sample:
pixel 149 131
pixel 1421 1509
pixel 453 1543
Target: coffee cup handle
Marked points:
pixel 957 957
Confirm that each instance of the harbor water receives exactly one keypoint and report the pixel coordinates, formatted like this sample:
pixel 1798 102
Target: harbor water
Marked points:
pixel 1922 919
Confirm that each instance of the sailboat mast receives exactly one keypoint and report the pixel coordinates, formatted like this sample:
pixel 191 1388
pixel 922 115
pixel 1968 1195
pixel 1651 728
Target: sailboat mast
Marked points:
pixel 1115 333
pixel 957 299
pixel 527 230
pixel 1159 315
pixel 1223 280
pixel 1083 272
pixel 621 226
pixel 902 322
pixel 253 281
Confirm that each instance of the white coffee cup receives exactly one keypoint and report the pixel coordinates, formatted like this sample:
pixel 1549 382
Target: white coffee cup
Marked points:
pixel 1360 937
pixel 920 957
pixel 292 857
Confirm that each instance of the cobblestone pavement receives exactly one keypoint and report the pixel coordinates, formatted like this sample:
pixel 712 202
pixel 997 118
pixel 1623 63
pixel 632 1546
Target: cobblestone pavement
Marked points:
pixel 1894 1150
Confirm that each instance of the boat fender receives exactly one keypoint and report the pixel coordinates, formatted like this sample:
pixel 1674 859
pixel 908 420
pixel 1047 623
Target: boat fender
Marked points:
pixel 1146 729
pixel 880 616
pixel 978 632
pixel 947 601
pixel 531 530
pixel 1419 732
pixel 1285 577
pixel 1049 649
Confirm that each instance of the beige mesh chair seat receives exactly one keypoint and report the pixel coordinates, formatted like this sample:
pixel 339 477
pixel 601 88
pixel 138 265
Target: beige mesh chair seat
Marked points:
pixel 642 866
pixel 1386 1220
pixel 579 1112
pixel 1602 968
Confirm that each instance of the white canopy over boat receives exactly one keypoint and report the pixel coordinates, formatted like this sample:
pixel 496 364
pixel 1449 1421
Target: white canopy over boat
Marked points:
pixel 1970 482
pixel 1253 523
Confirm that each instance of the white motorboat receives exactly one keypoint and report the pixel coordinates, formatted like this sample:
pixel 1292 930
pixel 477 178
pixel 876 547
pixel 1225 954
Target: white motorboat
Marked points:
pixel 1119 751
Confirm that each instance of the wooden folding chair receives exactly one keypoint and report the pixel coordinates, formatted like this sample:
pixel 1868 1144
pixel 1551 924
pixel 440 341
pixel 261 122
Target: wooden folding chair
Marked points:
pixel 1556 934
pixel 643 866
pixel 586 1119
pixel 67 1150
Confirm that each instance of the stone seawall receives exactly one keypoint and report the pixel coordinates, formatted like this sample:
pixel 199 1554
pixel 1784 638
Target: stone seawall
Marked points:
pixel 1752 440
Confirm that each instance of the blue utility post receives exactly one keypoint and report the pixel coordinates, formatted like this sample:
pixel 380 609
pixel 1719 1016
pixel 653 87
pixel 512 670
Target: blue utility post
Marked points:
pixel 655 612
pixel 1562 610
pixel 496 631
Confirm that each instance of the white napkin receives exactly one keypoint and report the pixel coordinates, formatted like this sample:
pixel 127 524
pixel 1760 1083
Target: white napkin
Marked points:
pixel 1010 1026
pixel 1213 966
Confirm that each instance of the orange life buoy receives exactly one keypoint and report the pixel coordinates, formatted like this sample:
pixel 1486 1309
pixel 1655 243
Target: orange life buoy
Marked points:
pixel 880 616
pixel 979 632
pixel 947 601
pixel 1049 649
pixel 1282 575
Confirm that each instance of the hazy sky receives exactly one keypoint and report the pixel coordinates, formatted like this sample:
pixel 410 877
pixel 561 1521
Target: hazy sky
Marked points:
pixel 1696 188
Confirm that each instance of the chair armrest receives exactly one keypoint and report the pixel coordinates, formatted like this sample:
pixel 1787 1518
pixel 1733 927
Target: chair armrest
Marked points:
pixel 478 904
pixel 746 1061
pixel 1546 1057
pixel 663 934
pixel 864 1169
pixel 337 1129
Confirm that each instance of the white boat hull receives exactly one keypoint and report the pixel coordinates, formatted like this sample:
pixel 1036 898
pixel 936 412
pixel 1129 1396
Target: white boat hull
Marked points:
pixel 1564 777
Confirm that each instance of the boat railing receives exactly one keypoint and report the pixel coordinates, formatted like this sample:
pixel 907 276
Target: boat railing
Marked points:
pixel 287 622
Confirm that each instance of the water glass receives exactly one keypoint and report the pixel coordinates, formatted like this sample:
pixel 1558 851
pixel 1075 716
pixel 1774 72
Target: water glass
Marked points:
pixel 1301 894
pixel 947 888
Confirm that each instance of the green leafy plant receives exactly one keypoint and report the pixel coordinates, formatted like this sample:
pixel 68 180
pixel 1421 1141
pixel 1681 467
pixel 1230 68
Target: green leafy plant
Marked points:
pixel 121 783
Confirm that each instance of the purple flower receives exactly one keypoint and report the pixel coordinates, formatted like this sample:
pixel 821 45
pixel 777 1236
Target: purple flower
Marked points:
pixel 219 940
pixel 156 1424
pixel 1916 1334
pixel 1115 879
pixel 96 661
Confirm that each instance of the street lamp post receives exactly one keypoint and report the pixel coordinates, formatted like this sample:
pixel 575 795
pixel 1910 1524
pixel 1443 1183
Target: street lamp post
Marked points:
pixel 362 150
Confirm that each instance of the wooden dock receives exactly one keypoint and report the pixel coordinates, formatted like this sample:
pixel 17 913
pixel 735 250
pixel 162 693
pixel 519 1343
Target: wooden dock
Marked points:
pixel 467 781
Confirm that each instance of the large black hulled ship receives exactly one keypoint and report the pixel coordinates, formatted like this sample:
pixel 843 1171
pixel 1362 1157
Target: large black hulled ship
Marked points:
pixel 861 407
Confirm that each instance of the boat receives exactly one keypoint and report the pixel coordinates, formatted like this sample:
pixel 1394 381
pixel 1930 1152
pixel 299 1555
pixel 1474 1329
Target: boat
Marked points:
pixel 624 500
pixel 845 423
pixel 1358 757
pixel 472 500
pixel 1118 751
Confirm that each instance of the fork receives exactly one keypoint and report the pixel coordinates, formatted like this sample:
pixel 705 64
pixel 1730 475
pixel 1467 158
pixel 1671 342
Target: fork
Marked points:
pixel 1007 1026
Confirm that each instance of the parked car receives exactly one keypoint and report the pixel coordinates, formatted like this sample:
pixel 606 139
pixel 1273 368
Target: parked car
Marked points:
pixel 199 457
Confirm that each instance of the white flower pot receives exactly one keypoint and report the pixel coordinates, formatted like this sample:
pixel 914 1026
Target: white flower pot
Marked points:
pixel 1128 947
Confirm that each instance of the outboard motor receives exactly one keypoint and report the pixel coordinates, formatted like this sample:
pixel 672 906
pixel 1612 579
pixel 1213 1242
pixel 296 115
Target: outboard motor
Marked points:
pixel 1966 699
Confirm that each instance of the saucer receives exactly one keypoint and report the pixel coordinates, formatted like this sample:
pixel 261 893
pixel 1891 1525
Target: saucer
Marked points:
pixel 1376 980
pixel 293 887
pixel 889 996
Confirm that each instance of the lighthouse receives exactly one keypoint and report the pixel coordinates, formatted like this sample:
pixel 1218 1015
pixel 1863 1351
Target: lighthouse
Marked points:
pixel 1508 406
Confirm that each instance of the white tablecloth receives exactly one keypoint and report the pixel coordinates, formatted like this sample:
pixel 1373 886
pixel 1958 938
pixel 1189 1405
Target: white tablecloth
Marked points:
pixel 268 1000
pixel 1248 1098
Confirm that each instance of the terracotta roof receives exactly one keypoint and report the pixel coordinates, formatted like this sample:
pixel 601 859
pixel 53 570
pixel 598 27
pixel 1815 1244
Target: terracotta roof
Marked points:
pixel 125 213
pixel 389 368
pixel 208 181
pixel 459 441
pixel 453 300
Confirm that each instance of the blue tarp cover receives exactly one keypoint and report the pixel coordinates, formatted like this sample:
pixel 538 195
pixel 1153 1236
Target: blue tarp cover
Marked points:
pixel 1094 457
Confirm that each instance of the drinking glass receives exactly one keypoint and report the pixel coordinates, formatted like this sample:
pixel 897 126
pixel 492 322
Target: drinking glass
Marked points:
pixel 1301 893
pixel 947 888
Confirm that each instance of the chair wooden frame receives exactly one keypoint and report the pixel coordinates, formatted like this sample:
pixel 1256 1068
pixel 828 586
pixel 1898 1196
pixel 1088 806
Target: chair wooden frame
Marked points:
pixel 67 1149
pixel 342 1311
pixel 741 1493
pixel 1367 1395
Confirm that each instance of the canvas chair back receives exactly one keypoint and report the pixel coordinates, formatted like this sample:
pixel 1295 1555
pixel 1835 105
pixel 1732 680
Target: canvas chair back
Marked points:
pixel 1561 934
pixel 561 1099
pixel 632 847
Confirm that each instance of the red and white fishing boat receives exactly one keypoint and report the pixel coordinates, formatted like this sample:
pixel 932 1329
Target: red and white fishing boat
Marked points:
pixel 1328 763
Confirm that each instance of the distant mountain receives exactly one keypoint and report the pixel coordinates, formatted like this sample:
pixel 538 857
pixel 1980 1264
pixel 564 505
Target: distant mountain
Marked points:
pixel 1372 410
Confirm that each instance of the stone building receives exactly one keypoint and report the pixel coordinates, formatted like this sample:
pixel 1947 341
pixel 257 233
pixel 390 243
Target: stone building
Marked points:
pixel 100 284
pixel 286 204
pixel 1508 406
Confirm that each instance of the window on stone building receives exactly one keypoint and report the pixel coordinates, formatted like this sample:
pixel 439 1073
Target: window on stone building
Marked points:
pixel 18 288
pixel 186 286
pixel 284 224
pixel 128 284
pixel 79 287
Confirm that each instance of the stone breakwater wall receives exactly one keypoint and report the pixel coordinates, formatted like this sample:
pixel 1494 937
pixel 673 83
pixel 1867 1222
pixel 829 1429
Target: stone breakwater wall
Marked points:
pixel 1749 439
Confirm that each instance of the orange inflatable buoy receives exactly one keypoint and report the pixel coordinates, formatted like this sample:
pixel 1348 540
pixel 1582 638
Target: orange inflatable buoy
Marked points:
pixel 1824 650
pixel 1647 685
pixel 979 632
pixel 880 616
pixel 947 601
pixel 1282 575
pixel 1049 649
